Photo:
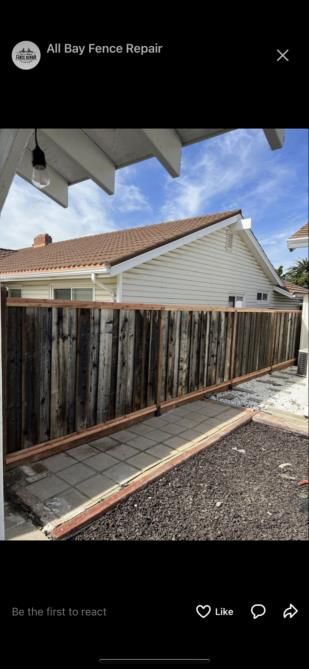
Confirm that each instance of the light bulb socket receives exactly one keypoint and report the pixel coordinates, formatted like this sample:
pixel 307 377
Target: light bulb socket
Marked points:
pixel 38 159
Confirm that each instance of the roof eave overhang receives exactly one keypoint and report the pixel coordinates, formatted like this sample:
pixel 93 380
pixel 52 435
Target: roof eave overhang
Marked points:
pixel 285 293
pixel 298 243
pixel 63 274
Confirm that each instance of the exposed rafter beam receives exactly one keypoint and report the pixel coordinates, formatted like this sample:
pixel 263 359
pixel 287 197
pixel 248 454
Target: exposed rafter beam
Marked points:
pixel 58 187
pixel 12 145
pixel 275 137
pixel 80 148
pixel 166 146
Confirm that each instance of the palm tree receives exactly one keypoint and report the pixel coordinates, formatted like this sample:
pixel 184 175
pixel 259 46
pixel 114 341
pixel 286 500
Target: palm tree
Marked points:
pixel 280 271
pixel 299 273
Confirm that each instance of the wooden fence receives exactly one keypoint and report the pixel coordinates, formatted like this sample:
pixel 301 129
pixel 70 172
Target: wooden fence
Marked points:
pixel 73 365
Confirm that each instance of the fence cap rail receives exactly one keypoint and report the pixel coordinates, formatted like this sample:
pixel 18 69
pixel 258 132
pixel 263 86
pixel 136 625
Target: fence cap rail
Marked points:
pixel 78 304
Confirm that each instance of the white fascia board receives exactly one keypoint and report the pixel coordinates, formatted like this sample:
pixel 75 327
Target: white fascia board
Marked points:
pixel 53 275
pixel 281 291
pixel 171 246
pixel 298 243
pixel 261 256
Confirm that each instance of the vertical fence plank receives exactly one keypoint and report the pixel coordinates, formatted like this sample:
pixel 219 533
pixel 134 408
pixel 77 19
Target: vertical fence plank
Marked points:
pixel 13 404
pixel 83 368
pixel 45 348
pixel 30 378
pixel 164 325
pixel 213 347
pixel 138 360
pixel 239 342
pixel 194 352
pixel 63 371
pixel 207 316
pixel 221 347
pixel 154 364
pixel 114 365
pixel 183 352
pixel 105 365
pixel 228 347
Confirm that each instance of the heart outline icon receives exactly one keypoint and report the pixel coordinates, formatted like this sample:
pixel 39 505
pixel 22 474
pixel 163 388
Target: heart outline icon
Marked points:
pixel 203 610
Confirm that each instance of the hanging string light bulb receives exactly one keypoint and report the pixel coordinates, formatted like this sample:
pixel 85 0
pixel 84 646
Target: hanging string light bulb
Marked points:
pixel 40 175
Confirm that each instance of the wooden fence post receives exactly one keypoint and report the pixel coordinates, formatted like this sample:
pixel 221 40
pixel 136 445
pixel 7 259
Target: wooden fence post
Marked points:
pixel 272 334
pixel 3 367
pixel 233 349
pixel 159 369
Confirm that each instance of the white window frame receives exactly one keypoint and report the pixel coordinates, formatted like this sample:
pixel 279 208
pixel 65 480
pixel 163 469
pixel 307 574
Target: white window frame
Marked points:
pixel 9 289
pixel 261 301
pixel 235 295
pixel 71 288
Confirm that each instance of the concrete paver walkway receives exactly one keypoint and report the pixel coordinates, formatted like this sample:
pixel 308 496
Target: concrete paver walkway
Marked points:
pixel 64 485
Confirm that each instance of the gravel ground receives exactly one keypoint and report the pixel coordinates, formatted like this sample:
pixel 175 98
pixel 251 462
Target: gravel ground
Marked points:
pixel 243 487
pixel 283 390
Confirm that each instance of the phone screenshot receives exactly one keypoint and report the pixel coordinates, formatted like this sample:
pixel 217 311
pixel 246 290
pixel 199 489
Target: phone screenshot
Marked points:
pixel 153 350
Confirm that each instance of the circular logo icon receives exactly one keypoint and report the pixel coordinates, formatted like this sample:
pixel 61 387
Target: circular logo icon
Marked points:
pixel 26 55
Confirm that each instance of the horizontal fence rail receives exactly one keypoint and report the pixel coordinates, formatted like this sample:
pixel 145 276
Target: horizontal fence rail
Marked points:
pixel 70 366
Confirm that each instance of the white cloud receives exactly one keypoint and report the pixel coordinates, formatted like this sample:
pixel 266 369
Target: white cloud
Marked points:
pixel 27 212
pixel 238 162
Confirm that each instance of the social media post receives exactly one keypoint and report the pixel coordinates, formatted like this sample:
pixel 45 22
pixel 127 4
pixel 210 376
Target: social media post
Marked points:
pixel 154 354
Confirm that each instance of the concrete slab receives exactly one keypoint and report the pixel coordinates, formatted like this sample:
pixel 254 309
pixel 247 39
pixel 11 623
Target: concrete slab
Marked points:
pixel 83 452
pixel 142 460
pixel 85 475
pixel 160 451
pixel 175 442
pixel 122 451
pixel 101 462
pixel 57 462
pixel 94 486
pixel 65 502
pixel 121 472
pixel 141 443
pixel 48 487
pixel 103 444
pixel 76 473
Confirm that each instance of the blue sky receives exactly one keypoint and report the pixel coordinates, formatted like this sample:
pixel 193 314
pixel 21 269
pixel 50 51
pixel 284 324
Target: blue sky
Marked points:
pixel 232 171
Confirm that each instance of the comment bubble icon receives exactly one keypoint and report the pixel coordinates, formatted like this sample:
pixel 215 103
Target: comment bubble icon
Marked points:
pixel 258 610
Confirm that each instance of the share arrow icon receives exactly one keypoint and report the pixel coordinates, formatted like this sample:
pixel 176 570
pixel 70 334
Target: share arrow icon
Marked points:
pixel 290 612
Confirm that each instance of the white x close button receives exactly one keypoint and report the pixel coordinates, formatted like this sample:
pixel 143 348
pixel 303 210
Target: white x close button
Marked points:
pixel 283 55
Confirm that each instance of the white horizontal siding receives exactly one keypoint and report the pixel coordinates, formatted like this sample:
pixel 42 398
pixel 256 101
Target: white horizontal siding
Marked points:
pixel 202 272
pixel 43 290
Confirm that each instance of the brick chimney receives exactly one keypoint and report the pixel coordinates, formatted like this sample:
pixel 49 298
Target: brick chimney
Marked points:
pixel 42 240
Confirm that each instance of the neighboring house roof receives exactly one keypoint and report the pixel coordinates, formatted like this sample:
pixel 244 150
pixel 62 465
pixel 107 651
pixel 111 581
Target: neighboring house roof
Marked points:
pixel 300 238
pixel 294 289
pixel 6 252
pixel 107 249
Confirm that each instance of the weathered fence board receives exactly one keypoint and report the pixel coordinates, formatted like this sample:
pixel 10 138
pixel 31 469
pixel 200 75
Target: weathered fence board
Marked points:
pixel 71 366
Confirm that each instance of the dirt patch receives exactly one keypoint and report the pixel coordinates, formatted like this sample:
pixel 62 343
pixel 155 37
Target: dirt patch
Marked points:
pixel 234 490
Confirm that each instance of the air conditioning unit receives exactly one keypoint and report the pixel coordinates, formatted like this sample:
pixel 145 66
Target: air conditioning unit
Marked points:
pixel 302 366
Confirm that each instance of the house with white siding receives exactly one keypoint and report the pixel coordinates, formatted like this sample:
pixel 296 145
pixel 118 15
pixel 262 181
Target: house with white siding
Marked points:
pixel 208 260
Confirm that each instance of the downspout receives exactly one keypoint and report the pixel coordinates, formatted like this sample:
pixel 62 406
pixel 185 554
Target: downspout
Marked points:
pixel 101 285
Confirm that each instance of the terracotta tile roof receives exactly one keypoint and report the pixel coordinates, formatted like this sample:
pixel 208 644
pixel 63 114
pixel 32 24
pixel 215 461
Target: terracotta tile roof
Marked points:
pixel 293 288
pixel 105 249
pixel 302 232
pixel 6 252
